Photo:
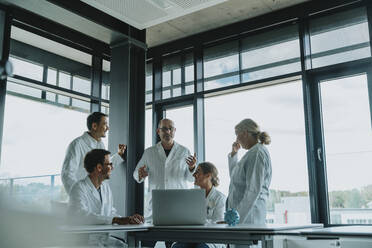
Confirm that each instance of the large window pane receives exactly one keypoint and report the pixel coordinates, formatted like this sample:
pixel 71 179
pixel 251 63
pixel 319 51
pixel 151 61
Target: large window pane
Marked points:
pixel 221 65
pixel 171 76
pixel 183 118
pixel 278 110
pixel 148 82
pixel 271 54
pixel 82 85
pixel 189 73
pixel 42 142
pixel 348 146
pixel 27 69
pixel 339 38
pixel 64 80
pixel 21 89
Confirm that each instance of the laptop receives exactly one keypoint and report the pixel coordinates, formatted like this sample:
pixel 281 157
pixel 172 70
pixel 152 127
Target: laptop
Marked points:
pixel 179 207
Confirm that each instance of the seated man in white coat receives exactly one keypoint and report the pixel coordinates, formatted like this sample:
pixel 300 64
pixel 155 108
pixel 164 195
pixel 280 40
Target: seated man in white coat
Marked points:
pixel 73 170
pixel 167 164
pixel 91 199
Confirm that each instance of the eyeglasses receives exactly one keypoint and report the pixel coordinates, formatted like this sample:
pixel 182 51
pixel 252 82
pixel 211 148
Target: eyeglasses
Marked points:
pixel 165 129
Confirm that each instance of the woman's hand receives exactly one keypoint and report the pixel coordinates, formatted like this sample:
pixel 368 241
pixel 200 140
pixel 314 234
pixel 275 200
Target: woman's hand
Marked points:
pixel 235 148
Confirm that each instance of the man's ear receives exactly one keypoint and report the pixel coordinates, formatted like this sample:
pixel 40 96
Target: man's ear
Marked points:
pixel 99 167
pixel 94 126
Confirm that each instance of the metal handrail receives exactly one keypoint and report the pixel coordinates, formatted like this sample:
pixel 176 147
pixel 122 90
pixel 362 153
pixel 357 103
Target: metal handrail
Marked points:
pixel 12 179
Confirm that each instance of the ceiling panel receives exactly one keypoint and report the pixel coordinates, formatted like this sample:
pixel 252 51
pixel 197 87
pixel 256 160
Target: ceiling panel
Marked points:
pixel 146 13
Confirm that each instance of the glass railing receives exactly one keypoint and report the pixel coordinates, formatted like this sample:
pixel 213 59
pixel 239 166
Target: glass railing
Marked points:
pixel 41 192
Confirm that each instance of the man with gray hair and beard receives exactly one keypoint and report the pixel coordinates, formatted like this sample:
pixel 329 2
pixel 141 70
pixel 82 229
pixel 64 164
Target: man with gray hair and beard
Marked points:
pixel 168 165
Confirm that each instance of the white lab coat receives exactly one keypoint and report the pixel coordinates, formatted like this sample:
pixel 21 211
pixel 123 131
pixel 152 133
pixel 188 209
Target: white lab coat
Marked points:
pixel 85 207
pixel 249 184
pixel 170 172
pixel 73 166
pixel 216 204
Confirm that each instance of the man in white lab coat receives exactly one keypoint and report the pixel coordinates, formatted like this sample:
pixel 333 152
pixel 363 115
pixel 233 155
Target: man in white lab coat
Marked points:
pixel 73 170
pixel 91 199
pixel 167 164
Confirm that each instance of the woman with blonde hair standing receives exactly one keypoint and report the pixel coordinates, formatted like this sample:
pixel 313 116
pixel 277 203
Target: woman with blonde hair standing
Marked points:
pixel 250 177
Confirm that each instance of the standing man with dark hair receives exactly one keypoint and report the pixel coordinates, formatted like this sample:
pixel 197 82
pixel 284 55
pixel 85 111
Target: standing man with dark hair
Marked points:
pixel 91 200
pixel 73 170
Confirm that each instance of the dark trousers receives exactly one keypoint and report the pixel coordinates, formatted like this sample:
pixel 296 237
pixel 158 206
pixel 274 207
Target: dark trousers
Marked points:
pixel 151 244
pixel 189 245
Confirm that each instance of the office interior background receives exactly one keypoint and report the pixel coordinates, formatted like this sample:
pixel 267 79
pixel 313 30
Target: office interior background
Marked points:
pixel 301 69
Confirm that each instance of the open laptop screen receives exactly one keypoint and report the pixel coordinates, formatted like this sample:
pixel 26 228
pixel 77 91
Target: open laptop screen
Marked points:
pixel 179 206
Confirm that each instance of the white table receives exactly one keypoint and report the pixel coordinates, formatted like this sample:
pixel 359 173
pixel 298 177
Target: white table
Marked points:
pixel 240 234
pixel 343 236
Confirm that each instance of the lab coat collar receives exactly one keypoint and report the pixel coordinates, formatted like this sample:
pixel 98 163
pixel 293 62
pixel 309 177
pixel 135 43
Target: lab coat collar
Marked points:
pixel 93 189
pixel 211 193
pixel 89 139
pixel 161 151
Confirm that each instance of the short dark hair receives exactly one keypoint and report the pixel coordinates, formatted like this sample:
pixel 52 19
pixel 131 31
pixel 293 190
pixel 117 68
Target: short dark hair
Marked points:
pixel 94 117
pixel 93 158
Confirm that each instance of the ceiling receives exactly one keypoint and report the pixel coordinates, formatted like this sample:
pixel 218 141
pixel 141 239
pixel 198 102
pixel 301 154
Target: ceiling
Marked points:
pixel 147 13
pixel 188 17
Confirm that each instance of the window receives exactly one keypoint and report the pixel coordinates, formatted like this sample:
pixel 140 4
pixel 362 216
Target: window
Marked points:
pixel 148 143
pixel 42 142
pixel 189 74
pixel 271 54
pixel 183 118
pixel 339 38
pixel 171 77
pixel 221 65
pixel 149 82
pixel 348 143
pixel 27 69
pixel 278 110
pixel 82 85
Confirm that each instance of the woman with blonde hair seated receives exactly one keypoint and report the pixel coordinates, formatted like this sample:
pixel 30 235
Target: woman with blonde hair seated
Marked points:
pixel 206 177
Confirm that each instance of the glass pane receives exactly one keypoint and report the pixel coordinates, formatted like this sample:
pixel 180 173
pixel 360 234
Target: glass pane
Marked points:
pixel 148 128
pixel 183 118
pixel 63 99
pixel 105 93
pixel 149 82
pixel 339 38
pixel 82 85
pixel 148 143
pixel 348 146
pixel 176 91
pixel 271 54
pixel 166 79
pixel 52 76
pixel 177 76
pixel 189 89
pixel 24 90
pixel 223 82
pixel 51 97
pixel 166 94
pixel 27 69
pixel 81 104
pixel 64 80
pixel 43 146
pixel 189 68
pixel 220 63
pixel 289 195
